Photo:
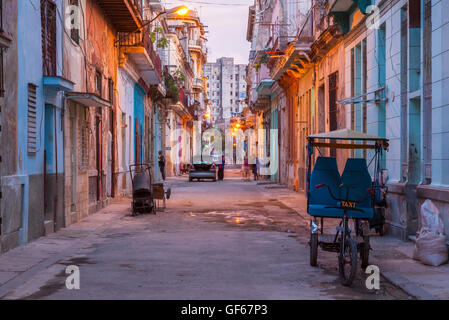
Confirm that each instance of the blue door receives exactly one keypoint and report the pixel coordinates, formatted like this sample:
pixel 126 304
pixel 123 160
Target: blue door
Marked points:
pixel 139 124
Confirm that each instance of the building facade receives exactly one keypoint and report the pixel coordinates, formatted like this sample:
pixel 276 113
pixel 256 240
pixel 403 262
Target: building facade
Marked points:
pixel 226 87
pixel 396 68
pixel 11 190
pixel 377 67
pixel 83 95
pixel 186 96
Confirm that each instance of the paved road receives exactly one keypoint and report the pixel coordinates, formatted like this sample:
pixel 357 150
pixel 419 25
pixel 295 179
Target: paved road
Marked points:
pixel 216 240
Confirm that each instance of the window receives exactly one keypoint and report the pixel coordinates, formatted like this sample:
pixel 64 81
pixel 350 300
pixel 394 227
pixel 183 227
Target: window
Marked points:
pixel 32 119
pixel 123 140
pixel 98 83
pixel 84 141
pixel 48 31
pixel 111 91
pixel 75 31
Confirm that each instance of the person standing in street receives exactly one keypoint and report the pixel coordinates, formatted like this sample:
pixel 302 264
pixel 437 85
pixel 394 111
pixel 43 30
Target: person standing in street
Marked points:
pixel 221 168
pixel 161 160
pixel 255 168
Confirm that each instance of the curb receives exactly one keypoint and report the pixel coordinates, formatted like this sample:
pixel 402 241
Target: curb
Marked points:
pixel 406 285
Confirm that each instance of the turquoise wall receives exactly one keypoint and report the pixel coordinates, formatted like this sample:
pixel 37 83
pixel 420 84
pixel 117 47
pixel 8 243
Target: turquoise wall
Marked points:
pixel 139 114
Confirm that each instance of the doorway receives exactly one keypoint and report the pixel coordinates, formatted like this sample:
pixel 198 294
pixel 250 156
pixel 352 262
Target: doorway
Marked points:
pixel 333 111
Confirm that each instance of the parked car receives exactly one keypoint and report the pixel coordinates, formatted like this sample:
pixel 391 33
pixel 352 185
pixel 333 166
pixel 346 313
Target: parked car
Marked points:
pixel 203 170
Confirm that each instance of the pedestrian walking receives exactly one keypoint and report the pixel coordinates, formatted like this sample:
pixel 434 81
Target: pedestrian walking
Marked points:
pixel 161 161
pixel 255 170
pixel 245 169
pixel 221 168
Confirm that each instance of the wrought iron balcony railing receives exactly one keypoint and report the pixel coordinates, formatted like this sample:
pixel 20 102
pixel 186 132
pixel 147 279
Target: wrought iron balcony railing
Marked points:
pixel 142 38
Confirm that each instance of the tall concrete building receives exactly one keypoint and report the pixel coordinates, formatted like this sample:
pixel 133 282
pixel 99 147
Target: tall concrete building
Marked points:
pixel 226 88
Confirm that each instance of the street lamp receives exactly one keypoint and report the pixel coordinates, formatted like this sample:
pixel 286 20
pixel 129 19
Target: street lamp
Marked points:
pixel 180 10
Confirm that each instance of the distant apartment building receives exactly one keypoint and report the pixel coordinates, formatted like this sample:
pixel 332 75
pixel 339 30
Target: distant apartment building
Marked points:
pixel 226 87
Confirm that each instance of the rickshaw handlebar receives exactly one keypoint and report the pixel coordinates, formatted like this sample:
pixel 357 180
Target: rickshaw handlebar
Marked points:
pixel 369 191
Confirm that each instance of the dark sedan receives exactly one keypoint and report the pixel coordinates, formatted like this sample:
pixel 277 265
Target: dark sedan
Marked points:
pixel 203 171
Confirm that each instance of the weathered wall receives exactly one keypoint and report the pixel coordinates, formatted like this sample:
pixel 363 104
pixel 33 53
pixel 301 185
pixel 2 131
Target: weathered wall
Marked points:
pixel 11 190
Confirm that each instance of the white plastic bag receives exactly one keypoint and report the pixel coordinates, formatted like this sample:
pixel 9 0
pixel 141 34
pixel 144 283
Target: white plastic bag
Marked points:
pixel 430 217
pixel 431 246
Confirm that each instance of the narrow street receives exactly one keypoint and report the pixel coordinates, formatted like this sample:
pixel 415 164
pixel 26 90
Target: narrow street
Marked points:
pixel 229 239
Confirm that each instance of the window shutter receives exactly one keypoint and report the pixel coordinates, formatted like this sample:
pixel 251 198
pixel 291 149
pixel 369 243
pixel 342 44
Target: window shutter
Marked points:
pixel 32 119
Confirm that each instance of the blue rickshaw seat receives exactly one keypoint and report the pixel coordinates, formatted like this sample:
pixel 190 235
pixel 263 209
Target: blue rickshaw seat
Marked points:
pixel 356 174
pixel 325 171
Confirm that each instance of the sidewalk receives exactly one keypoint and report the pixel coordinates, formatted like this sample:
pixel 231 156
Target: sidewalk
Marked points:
pixel 21 264
pixel 393 256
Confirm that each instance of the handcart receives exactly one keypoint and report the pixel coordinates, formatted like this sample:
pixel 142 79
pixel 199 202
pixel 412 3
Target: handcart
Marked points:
pixel 142 189
pixel 347 197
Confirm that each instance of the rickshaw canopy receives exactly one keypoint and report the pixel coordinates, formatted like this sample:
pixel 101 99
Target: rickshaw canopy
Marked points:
pixel 348 135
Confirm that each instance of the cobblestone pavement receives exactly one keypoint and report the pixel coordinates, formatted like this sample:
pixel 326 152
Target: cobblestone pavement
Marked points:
pixel 229 239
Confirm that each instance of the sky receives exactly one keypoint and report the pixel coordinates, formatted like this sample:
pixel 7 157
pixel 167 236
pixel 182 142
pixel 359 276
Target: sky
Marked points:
pixel 226 21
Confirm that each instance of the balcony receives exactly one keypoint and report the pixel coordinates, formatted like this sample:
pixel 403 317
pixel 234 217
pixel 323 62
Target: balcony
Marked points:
pixel 183 107
pixel 197 84
pixel 137 46
pixel 294 63
pixel 341 11
pixel 198 46
pixel 125 15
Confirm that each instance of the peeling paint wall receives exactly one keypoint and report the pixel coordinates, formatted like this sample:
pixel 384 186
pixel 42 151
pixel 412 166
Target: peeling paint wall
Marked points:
pixel 11 190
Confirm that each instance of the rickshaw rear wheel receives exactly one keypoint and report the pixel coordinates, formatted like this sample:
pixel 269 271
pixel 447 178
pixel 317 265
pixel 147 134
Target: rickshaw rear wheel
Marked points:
pixel 314 250
pixel 364 252
pixel 346 279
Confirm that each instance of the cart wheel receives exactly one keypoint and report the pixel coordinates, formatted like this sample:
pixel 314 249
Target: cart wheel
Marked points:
pixel 380 231
pixel 168 194
pixel 364 252
pixel 347 264
pixel 133 208
pixel 153 209
pixel 314 250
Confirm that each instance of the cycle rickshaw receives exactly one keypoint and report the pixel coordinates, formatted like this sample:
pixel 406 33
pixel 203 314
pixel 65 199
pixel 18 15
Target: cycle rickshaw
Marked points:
pixel 350 196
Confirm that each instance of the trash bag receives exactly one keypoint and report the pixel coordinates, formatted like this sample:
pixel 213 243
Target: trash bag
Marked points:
pixel 431 246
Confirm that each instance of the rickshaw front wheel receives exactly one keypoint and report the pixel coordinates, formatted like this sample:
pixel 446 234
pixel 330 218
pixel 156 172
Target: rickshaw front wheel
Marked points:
pixel 314 249
pixel 347 263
